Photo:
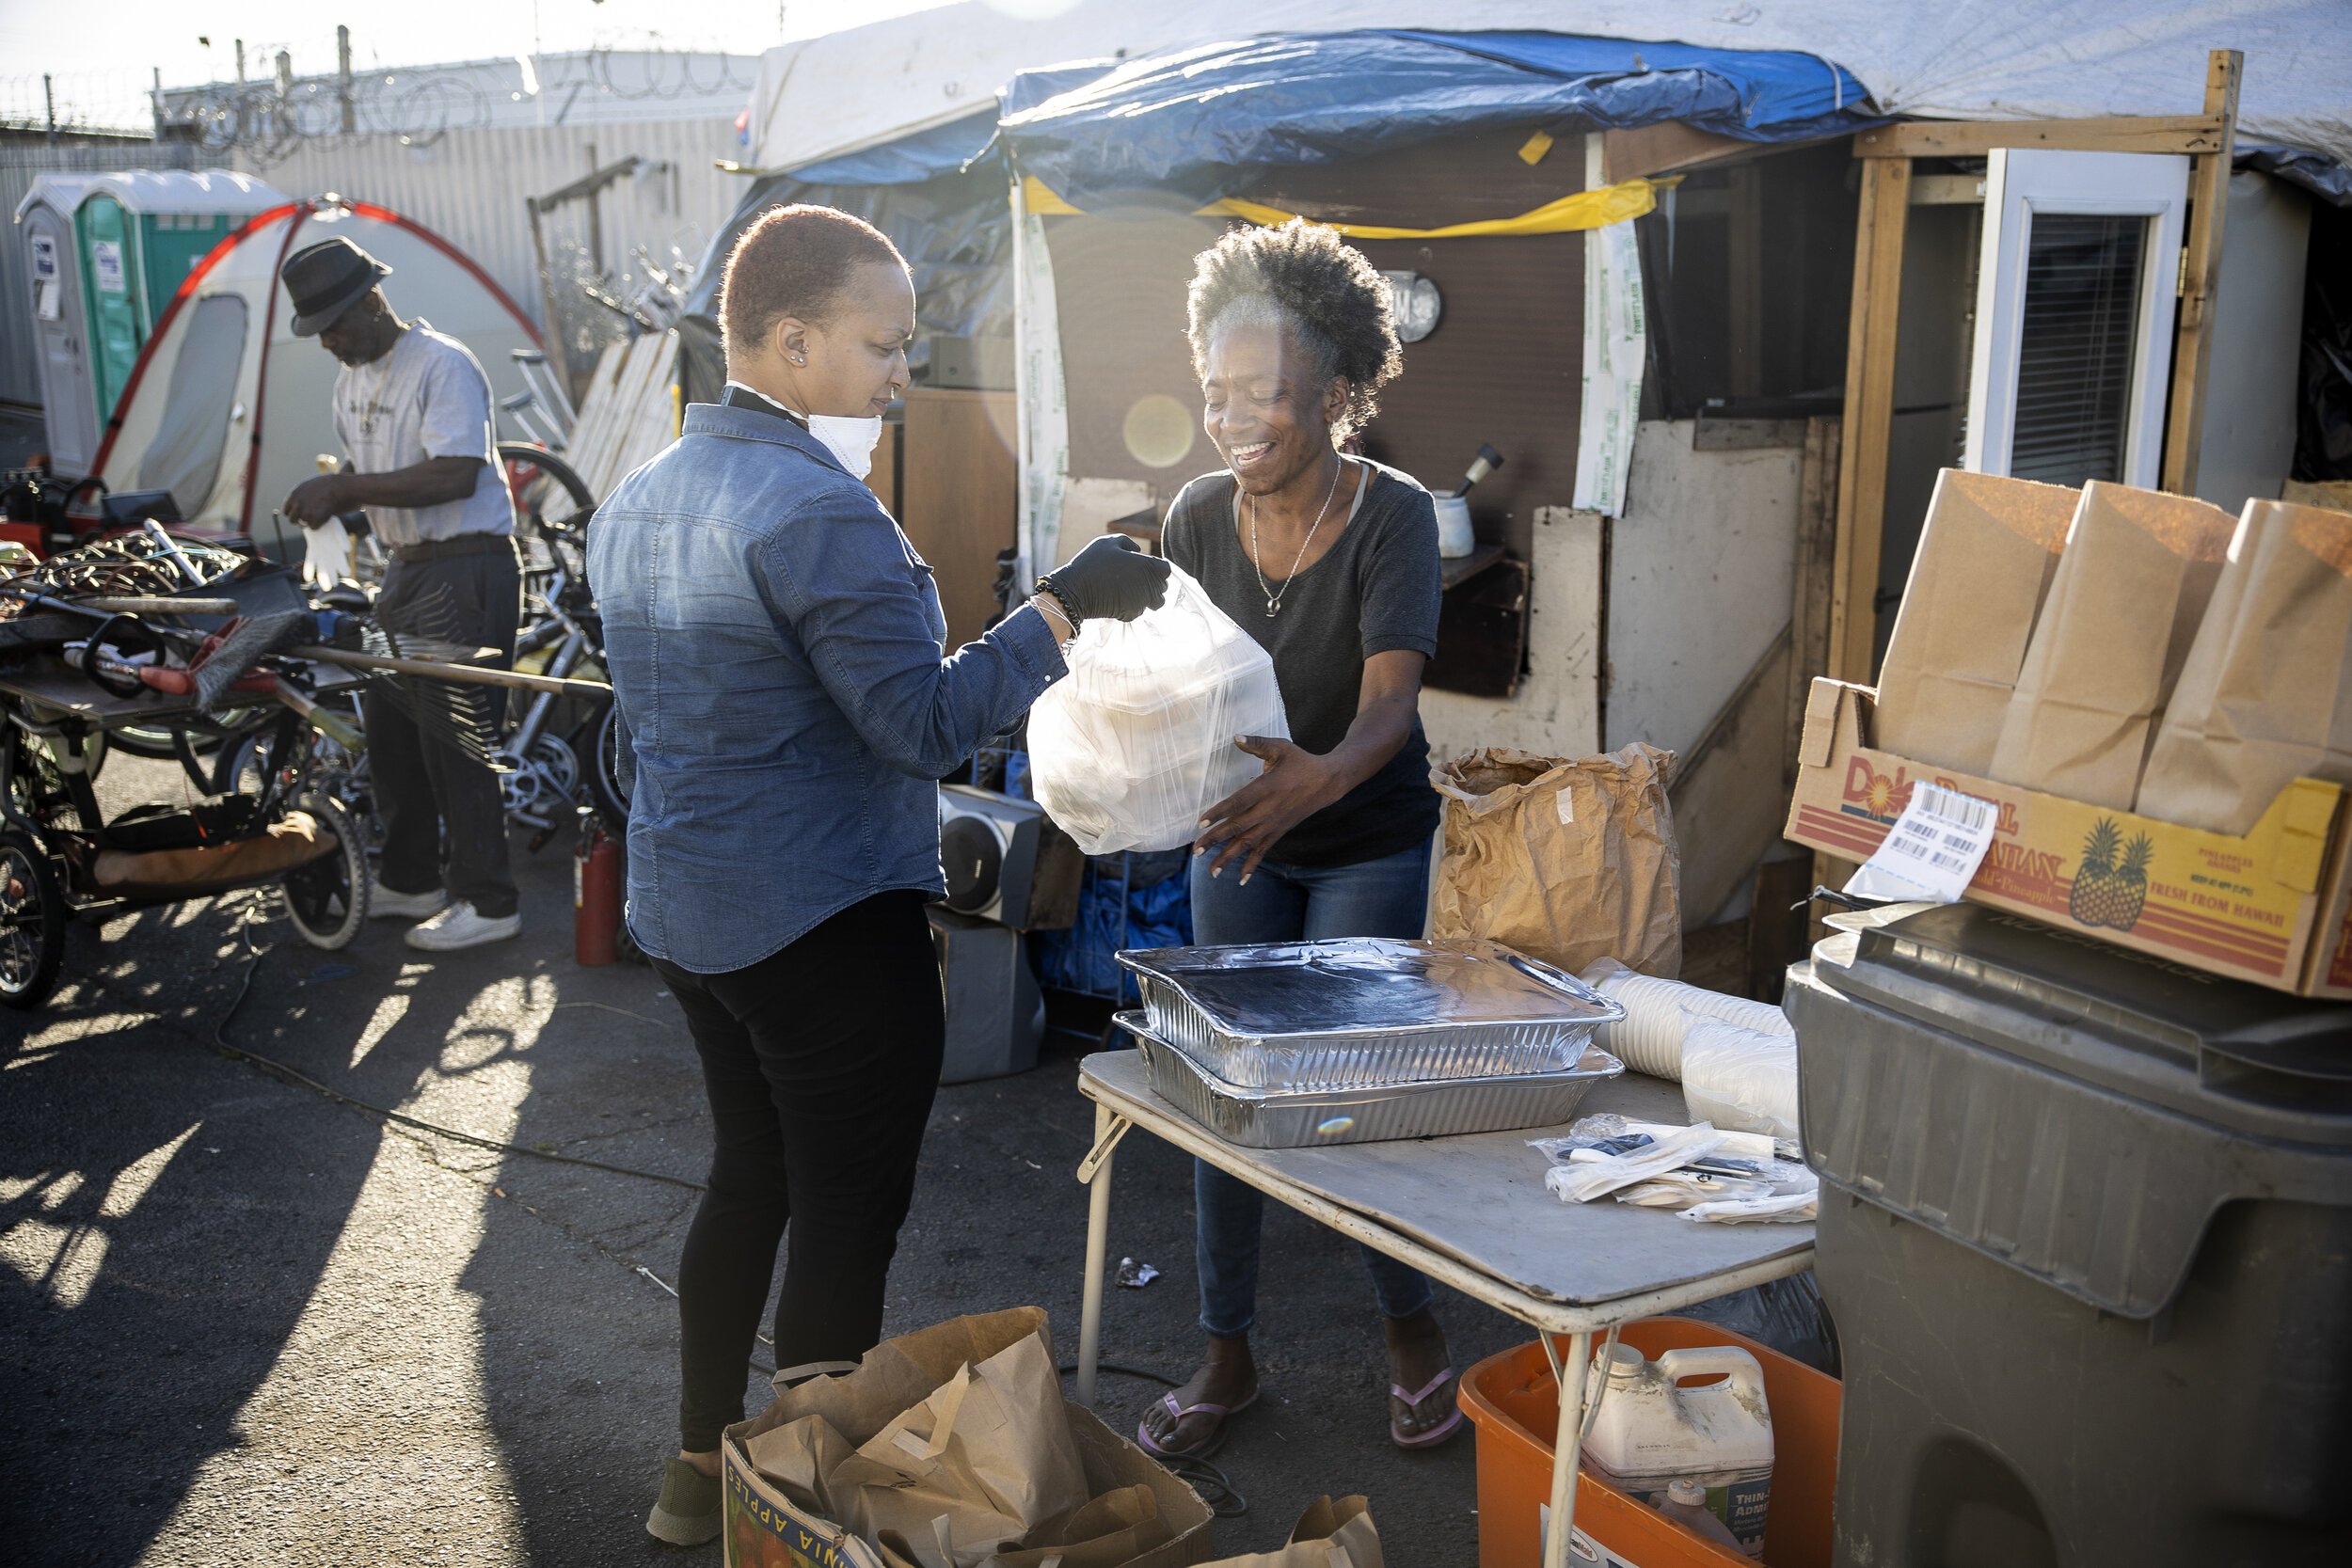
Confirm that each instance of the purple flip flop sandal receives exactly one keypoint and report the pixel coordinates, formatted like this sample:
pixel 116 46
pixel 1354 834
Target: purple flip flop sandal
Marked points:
pixel 1436 1434
pixel 1208 1444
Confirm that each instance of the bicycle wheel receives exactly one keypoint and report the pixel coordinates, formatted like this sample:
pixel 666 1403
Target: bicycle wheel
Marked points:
pixel 32 922
pixel 327 899
pixel 551 510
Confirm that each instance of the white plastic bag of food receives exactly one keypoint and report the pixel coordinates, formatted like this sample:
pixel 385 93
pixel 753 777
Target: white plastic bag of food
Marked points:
pixel 1131 747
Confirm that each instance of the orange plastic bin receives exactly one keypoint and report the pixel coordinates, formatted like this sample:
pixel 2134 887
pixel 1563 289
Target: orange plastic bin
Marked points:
pixel 1515 1404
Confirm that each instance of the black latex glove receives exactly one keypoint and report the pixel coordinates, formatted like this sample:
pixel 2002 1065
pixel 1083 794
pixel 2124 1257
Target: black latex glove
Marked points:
pixel 1111 579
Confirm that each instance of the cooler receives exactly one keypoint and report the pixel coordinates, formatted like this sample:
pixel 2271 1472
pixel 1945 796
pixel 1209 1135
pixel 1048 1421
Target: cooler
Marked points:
pixel 2086 1230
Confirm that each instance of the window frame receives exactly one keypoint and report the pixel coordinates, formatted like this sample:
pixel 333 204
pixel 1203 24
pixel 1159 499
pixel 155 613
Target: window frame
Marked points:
pixel 2022 182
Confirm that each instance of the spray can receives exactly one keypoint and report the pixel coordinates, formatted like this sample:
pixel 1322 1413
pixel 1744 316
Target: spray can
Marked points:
pixel 598 879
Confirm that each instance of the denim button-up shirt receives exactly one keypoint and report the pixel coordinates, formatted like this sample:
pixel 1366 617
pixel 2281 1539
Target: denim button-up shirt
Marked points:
pixel 775 649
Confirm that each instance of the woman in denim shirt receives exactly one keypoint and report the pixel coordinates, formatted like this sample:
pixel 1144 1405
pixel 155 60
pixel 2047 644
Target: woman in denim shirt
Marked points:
pixel 776 652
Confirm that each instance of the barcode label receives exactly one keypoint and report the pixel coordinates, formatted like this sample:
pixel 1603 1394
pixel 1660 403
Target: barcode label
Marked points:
pixel 1933 850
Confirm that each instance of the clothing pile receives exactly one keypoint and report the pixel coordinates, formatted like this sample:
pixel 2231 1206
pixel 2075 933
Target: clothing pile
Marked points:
pixel 1706 1173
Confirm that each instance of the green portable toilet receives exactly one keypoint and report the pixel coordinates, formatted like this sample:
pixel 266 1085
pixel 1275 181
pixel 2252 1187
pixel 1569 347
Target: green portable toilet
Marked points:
pixel 138 235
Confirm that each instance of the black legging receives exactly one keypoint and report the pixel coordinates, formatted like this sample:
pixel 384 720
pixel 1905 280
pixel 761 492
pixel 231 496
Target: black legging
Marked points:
pixel 821 1062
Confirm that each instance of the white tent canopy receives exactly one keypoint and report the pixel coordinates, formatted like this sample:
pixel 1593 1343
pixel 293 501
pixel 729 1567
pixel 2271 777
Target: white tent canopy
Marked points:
pixel 229 410
pixel 1961 59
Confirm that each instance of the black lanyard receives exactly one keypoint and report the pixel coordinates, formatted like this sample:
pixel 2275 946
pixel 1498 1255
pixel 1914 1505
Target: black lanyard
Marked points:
pixel 743 397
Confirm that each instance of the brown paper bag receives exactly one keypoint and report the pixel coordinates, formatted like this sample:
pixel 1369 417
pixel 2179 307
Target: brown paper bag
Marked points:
pixel 1986 555
pixel 1328 1535
pixel 1113 1529
pixel 1568 862
pixel 956 1434
pixel 2123 607
pixel 2265 696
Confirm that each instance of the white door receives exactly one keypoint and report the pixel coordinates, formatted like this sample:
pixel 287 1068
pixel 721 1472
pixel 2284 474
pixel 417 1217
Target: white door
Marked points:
pixel 69 399
pixel 2074 309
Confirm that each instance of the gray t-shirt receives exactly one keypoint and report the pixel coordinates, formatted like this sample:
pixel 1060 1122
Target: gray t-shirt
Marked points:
pixel 1376 590
pixel 426 397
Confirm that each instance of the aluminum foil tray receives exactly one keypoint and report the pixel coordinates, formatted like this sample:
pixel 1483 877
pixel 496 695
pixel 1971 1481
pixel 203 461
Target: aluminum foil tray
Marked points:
pixel 1367 1013
pixel 1292 1118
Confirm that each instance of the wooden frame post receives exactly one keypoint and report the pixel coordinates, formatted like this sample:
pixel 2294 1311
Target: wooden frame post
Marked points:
pixel 1870 336
pixel 2201 271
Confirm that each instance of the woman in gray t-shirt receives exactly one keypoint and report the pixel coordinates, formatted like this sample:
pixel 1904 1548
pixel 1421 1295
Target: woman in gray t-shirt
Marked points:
pixel 1330 563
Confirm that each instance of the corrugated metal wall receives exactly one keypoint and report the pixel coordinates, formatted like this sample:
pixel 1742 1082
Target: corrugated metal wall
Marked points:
pixel 469 187
pixel 20 161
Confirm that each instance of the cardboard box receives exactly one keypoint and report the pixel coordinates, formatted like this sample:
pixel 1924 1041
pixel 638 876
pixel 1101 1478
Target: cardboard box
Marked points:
pixel 2270 906
pixel 764 1528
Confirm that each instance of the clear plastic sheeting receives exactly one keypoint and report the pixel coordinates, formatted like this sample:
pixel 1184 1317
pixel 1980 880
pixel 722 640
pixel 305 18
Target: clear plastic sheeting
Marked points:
pixel 1742 1079
pixel 1131 748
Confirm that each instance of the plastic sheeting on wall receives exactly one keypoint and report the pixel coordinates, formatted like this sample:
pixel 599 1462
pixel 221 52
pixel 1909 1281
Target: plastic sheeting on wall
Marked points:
pixel 955 230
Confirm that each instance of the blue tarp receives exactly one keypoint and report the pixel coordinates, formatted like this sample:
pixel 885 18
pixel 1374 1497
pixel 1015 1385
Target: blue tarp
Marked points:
pixel 909 160
pixel 1204 122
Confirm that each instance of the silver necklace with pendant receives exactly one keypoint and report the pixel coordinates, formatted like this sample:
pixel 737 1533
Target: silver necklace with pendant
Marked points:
pixel 1273 599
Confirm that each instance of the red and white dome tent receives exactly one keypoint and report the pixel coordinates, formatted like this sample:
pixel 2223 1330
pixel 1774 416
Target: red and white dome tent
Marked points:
pixel 229 410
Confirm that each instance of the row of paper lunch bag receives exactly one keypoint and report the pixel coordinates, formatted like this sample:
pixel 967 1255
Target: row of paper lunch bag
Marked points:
pixel 2124 647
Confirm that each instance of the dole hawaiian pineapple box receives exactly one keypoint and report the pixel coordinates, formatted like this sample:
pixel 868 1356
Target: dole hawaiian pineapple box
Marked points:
pixel 2270 906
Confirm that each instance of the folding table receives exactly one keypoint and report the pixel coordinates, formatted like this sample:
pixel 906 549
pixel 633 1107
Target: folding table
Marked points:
pixel 1473 1212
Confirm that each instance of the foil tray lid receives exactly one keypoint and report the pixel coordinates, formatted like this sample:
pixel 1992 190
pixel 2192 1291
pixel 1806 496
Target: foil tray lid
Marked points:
pixel 1371 985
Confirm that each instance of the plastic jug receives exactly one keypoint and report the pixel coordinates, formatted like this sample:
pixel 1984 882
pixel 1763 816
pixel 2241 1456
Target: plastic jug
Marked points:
pixel 1685 1503
pixel 1651 1431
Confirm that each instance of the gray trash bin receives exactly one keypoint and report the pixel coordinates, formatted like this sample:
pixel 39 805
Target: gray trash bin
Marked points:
pixel 2087 1232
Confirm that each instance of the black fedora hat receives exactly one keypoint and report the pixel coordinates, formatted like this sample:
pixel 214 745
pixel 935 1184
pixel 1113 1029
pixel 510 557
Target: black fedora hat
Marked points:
pixel 326 279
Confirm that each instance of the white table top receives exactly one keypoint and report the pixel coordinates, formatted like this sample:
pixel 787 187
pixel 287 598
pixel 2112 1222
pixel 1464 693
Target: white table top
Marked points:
pixel 1480 1199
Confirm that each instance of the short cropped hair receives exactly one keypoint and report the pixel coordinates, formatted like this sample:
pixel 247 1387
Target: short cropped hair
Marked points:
pixel 794 262
pixel 1304 276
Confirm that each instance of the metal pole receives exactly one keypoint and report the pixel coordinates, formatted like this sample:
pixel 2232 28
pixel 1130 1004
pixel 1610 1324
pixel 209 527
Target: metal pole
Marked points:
pixel 595 219
pixel 1097 1250
pixel 49 98
pixel 1567 1448
pixel 342 79
pixel 155 100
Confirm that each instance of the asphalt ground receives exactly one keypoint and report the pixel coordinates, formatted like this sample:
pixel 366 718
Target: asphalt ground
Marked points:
pixel 242 1323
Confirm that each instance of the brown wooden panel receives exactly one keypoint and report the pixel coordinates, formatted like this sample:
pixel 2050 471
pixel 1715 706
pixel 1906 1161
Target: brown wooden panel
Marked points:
pixel 883 477
pixel 2201 275
pixel 1870 415
pixel 1939 139
pixel 1505 365
pixel 957 495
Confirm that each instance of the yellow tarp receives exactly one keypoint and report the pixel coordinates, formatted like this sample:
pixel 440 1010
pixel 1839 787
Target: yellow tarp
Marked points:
pixel 1595 208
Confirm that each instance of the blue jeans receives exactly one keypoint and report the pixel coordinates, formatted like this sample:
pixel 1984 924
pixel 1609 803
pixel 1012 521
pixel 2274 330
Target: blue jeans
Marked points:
pixel 1387 898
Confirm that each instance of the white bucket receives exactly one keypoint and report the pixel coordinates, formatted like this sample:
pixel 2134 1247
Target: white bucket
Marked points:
pixel 1651 1431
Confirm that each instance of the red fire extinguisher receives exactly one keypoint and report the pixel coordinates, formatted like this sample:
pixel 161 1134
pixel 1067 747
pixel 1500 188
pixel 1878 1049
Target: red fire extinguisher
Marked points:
pixel 598 878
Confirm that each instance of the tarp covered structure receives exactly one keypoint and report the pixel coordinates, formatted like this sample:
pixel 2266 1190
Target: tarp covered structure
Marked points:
pixel 229 410
pixel 1202 121
pixel 1957 59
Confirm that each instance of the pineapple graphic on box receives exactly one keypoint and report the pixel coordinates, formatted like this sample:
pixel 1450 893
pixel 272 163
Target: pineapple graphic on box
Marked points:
pixel 2111 885
pixel 2129 893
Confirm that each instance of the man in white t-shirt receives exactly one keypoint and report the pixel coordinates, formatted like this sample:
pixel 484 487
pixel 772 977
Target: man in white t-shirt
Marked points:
pixel 412 409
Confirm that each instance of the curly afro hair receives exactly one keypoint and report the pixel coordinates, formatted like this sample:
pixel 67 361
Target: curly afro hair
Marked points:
pixel 1303 277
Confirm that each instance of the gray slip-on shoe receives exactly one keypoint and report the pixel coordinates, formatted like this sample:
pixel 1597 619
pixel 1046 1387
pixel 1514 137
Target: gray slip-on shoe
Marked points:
pixel 689 1512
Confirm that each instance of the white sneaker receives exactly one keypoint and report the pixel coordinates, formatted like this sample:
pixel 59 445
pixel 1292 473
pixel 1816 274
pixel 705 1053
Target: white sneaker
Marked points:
pixel 460 925
pixel 384 904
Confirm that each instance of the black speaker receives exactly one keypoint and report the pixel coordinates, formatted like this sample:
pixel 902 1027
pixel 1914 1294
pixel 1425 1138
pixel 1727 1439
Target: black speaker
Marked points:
pixel 995 1013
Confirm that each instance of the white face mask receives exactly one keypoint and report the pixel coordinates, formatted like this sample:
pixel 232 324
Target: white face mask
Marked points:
pixel 852 441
